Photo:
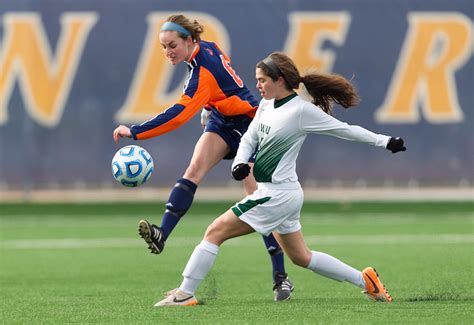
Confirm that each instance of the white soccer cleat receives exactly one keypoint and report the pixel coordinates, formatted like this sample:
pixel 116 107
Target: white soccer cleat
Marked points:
pixel 169 293
pixel 177 298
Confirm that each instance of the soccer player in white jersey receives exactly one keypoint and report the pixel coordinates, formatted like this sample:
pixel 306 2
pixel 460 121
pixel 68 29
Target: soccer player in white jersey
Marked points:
pixel 282 122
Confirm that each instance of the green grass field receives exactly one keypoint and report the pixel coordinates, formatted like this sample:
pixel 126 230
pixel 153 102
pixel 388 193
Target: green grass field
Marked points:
pixel 65 263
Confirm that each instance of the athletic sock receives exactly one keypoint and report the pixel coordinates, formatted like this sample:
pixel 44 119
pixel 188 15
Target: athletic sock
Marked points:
pixel 199 264
pixel 180 200
pixel 276 254
pixel 330 267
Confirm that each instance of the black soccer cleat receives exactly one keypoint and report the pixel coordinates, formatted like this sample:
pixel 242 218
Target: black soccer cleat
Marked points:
pixel 152 235
pixel 282 287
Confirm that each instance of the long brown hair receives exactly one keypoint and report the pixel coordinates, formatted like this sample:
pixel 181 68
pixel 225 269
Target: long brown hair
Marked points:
pixel 325 89
pixel 194 27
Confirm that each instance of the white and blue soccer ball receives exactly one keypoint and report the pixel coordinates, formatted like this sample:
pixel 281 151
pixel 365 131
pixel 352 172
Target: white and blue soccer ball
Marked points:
pixel 132 166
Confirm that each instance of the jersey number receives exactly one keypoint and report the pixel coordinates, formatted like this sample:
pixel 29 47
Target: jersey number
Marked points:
pixel 231 71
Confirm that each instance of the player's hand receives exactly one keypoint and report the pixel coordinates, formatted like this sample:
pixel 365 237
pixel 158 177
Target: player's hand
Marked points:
pixel 396 145
pixel 240 171
pixel 120 132
pixel 205 117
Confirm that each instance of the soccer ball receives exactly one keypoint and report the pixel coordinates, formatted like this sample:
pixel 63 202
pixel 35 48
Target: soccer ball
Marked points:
pixel 132 166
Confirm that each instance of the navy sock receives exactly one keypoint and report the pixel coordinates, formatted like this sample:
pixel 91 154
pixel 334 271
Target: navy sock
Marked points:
pixel 180 200
pixel 276 254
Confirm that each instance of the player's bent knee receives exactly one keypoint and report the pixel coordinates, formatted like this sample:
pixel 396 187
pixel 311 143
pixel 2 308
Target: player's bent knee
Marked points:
pixel 214 233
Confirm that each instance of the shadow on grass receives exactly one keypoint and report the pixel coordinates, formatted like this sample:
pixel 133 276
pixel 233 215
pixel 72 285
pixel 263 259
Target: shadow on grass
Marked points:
pixel 209 290
pixel 442 296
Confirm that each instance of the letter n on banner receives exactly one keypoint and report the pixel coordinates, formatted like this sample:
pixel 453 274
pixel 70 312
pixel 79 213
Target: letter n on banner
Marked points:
pixel 44 78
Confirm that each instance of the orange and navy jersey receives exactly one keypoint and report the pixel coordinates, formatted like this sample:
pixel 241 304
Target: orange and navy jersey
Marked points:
pixel 211 83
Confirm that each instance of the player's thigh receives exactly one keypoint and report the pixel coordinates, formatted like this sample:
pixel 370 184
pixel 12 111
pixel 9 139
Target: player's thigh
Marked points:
pixel 227 226
pixel 295 247
pixel 208 152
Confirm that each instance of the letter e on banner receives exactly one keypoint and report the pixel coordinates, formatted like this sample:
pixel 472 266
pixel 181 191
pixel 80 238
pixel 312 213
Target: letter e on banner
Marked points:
pixel 308 32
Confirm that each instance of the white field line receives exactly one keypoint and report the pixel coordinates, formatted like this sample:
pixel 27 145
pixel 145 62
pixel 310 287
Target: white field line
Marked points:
pixel 370 218
pixel 252 241
pixel 235 193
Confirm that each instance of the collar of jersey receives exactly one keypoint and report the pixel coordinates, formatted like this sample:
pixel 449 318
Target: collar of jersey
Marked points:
pixel 283 101
pixel 195 51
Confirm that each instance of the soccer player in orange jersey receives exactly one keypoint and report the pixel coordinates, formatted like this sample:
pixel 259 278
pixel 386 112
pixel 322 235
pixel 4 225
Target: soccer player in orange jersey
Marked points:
pixel 229 107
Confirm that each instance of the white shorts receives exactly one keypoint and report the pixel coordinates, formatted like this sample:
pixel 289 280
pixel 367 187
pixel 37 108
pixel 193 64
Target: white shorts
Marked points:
pixel 272 207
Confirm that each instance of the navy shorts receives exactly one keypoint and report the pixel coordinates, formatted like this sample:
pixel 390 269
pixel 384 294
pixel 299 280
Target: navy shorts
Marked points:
pixel 229 128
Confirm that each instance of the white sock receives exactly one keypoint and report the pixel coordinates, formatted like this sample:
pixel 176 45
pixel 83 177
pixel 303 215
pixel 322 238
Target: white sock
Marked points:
pixel 330 267
pixel 199 264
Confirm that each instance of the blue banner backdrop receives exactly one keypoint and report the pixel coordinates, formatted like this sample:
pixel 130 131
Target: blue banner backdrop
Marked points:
pixel 70 71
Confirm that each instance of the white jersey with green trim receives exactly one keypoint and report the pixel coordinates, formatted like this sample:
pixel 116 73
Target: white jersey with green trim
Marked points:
pixel 278 134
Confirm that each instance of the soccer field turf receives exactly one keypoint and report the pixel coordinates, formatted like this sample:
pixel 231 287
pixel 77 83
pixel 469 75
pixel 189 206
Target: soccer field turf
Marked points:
pixel 66 263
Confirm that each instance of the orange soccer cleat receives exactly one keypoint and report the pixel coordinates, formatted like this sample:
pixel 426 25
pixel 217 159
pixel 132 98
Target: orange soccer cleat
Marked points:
pixel 375 290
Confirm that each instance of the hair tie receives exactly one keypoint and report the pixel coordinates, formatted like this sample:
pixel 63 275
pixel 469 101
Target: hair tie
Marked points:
pixel 175 27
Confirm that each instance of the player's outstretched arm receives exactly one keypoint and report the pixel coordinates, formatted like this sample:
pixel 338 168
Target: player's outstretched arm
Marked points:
pixel 396 145
pixel 120 132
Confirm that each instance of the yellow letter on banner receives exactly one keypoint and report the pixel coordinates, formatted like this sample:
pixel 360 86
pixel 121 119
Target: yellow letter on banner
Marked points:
pixel 25 55
pixel 148 95
pixel 308 31
pixel 436 46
